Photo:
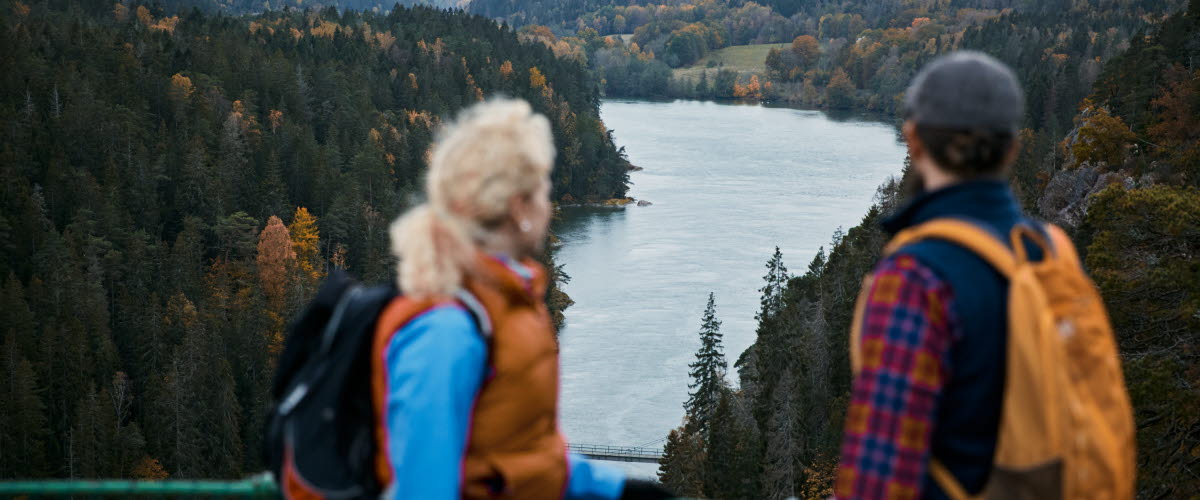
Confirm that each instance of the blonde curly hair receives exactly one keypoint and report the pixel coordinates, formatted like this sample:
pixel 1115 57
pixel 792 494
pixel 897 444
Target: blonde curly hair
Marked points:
pixel 491 152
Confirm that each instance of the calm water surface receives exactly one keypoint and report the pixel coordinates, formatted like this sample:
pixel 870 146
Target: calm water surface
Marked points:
pixel 728 183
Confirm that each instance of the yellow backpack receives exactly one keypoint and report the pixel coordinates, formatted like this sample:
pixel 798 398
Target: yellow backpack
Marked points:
pixel 1066 427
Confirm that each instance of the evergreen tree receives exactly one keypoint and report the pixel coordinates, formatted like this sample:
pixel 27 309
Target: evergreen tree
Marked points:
pixel 682 467
pixel 23 425
pixel 779 462
pixel 88 435
pixel 733 450
pixel 772 291
pixel 707 373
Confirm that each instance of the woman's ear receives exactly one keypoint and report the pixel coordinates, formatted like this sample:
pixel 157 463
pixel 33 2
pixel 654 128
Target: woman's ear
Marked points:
pixel 519 208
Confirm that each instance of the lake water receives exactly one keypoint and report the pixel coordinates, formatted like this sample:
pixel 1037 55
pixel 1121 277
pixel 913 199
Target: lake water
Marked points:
pixel 728 183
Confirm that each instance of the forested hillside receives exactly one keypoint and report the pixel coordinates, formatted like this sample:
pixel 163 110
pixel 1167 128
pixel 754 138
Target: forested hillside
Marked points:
pixel 1121 175
pixel 848 55
pixel 260 6
pixel 543 12
pixel 177 184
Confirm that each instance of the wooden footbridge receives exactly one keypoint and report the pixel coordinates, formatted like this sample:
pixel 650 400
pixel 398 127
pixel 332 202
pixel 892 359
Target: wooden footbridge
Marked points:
pixel 617 453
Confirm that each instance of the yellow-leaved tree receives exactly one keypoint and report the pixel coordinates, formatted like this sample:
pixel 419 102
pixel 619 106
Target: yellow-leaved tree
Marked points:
pixel 1103 138
pixel 306 242
pixel 536 79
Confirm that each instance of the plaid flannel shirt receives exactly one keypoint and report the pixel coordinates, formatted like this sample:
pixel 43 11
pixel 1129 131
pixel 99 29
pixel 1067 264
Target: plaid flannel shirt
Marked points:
pixel 906 336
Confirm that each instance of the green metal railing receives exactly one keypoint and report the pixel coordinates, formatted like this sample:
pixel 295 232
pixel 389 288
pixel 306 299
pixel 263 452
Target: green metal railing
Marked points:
pixel 258 487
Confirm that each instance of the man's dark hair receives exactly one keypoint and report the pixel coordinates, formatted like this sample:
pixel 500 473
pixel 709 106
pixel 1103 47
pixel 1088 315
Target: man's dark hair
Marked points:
pixel 968 154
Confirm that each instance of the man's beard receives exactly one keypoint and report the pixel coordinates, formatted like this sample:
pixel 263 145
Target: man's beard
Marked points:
pixel 912 186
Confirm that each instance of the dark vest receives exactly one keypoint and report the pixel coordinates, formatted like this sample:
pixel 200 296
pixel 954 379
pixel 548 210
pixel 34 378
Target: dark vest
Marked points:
pixel 968 410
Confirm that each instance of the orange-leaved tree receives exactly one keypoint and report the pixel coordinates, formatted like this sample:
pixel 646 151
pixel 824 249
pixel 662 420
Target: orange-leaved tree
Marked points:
pixel 807 50
pixel 276 260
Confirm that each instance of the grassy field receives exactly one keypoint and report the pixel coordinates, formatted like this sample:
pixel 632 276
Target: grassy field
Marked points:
pixel 745 59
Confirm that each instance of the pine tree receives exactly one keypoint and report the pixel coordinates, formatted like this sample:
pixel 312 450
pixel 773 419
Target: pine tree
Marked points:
pixel 127 445
pixel 772 292
pixel 682 467
pixel 273 190
pixel 91 433
pixel 23 425
pixel 15 314
pixel 733 450
pixel 707 372
pixel 196 409
pixel 779 464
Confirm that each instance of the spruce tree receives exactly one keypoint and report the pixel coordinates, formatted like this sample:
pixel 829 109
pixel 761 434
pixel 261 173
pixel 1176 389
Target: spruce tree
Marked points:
pixel 779 462
pixel 776 282
pixel 681 468
pixel 733 452
pixel 708 372
pixel 23 425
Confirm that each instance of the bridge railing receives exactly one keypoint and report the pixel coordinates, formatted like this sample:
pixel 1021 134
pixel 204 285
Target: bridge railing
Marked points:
pixel 616 451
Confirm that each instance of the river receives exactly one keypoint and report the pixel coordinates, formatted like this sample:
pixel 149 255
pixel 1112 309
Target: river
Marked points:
pixel 728 183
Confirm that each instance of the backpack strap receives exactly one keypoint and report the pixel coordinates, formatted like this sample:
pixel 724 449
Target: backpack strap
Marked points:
pixel 965 234
pixel 1064 248
pixel 945 479
pixel 478 312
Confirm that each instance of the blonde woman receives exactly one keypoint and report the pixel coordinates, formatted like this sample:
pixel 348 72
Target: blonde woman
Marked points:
pixel 465 364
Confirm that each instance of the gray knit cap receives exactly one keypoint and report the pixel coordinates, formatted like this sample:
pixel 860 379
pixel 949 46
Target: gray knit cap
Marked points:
pixel 967 91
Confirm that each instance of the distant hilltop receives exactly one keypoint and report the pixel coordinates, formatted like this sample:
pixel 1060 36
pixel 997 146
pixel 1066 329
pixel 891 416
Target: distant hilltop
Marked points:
pixel 258 6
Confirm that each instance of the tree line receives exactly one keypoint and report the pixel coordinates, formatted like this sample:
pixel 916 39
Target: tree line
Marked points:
pixel 179 182
pixel 842 55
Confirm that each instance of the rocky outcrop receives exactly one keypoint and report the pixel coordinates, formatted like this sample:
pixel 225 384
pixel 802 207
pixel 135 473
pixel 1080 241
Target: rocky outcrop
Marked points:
pixel 1068 193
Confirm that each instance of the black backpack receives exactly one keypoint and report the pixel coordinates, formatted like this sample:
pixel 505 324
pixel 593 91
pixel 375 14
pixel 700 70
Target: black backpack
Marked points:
pixel 320 429
pixel 320 435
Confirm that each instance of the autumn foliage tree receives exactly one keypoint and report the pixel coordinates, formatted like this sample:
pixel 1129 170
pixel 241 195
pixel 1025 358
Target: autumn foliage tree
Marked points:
pixel 276 261
pixel 841 91
pixel 1177 128
pixel 306 242
pixel 1103 138
pixel 807 50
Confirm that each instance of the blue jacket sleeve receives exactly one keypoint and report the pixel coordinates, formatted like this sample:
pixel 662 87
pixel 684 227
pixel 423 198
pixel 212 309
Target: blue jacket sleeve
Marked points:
pixel 435 367
pixel 589 480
